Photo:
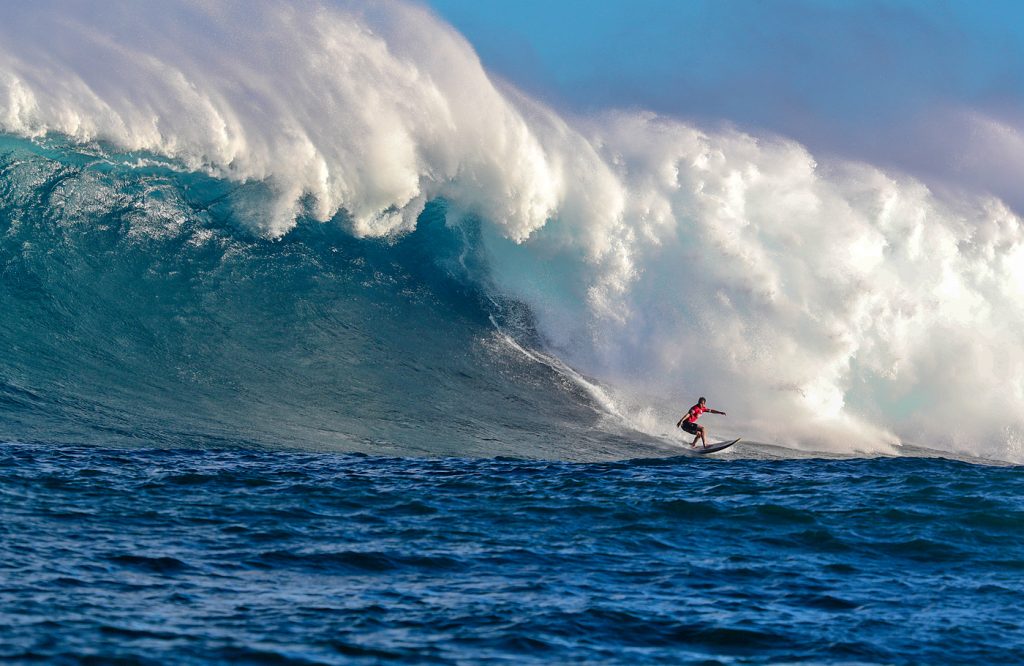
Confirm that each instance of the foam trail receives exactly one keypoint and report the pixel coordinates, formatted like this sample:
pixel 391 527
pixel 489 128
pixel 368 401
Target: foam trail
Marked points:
pixel 822 305
pixel 596 392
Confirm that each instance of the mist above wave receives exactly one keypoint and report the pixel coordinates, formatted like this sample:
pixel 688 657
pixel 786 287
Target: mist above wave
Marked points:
pixel 820 304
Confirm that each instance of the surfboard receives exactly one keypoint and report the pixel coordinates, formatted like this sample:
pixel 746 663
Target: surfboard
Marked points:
pixel 717 446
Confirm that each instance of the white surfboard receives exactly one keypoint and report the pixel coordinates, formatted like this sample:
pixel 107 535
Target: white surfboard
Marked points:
pixel 712 448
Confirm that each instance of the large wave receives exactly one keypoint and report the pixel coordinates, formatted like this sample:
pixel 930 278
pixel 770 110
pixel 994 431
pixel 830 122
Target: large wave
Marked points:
pixel 822 304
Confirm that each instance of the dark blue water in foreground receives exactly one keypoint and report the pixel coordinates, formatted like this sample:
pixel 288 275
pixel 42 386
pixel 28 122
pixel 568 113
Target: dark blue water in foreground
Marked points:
pixel 171 556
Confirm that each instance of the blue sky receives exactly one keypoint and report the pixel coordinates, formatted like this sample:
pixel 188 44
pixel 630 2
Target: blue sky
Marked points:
pixel 884 81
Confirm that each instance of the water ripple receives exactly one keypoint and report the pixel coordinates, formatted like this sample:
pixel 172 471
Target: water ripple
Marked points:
pixel 166 556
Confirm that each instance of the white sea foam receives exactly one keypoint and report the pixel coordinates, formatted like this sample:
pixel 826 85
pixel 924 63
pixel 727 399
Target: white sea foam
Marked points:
pixel 821 305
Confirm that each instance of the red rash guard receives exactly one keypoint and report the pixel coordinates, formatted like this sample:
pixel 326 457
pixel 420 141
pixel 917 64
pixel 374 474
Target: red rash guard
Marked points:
pixel 695 413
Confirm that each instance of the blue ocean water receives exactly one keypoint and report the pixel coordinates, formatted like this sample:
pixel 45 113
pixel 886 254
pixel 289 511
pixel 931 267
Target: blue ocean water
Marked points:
pixel 139 310
pixel 156 556
pixel 227 448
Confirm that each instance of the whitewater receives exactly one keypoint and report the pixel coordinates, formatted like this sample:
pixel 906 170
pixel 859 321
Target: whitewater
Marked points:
pixel 828 305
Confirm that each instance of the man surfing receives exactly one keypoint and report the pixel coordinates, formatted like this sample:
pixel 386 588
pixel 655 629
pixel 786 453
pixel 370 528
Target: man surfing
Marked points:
pixel 689 421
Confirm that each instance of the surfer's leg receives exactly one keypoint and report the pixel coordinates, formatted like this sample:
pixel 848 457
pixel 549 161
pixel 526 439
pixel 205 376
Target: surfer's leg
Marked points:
pixel 703 441
pixel 691 429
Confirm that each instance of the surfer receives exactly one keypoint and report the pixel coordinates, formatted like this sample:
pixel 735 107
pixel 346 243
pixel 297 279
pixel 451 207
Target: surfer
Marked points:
pixel 689 421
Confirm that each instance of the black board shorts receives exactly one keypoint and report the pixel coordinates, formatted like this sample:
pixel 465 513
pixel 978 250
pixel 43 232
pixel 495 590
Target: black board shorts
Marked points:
pixel 691 428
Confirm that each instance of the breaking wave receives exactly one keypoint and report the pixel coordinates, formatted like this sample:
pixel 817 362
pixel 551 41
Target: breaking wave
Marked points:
pixel 268 221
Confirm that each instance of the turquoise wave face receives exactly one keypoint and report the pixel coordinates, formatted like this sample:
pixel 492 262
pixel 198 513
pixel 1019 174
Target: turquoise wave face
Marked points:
pixel 139 309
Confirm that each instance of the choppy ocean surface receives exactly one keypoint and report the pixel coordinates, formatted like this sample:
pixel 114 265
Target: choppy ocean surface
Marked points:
pixel 183 556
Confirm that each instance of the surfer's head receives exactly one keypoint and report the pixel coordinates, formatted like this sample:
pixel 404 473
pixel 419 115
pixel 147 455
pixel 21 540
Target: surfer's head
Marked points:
pixel 702 400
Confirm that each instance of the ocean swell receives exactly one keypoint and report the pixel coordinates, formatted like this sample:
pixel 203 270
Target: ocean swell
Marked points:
pixel 138 310
pixel 823 304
